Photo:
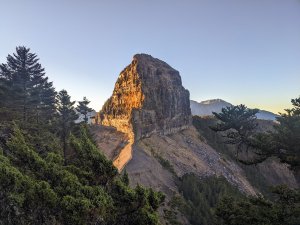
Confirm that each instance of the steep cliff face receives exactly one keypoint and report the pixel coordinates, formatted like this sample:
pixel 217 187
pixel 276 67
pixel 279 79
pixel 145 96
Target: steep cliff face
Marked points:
pixel 148 98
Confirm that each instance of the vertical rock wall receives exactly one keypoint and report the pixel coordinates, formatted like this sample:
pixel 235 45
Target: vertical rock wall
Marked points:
pixel 148 98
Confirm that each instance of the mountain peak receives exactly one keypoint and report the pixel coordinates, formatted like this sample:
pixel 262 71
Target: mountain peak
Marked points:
pixel 145 60
pixel 214 101
pixel 148 98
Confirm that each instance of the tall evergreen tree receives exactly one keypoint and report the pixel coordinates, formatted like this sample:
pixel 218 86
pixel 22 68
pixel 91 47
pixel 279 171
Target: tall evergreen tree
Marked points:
pixel 5 93
pixel 83 108
pixel 67 116
pixel 24 80
pixel 47 100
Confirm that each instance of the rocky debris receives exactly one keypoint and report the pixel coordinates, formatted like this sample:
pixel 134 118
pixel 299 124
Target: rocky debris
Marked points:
pixel 148 98
pixel 116 146
pixel 186 153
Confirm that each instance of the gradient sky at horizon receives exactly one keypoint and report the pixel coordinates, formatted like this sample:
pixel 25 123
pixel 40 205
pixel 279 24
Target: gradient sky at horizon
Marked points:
pixel 242 51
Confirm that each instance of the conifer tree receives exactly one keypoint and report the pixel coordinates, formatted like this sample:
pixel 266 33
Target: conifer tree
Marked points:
pixel 24 81
pixel 4 93
pixel 83 108
pixel 67 116
pixel 284 141
pixel 238 124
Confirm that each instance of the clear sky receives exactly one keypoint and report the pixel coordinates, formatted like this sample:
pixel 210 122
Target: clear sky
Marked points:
pixel 243 51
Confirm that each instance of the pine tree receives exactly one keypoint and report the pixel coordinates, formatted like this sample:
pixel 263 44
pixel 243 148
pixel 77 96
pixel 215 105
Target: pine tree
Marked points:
pixel 47 98
pixel 5 93
pixel 67 116
pixel 83 108
pixel 23 80
pixel 284 141
pixel 238 124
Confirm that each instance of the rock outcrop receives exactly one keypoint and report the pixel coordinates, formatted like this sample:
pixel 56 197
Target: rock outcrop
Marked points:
pixel 148 98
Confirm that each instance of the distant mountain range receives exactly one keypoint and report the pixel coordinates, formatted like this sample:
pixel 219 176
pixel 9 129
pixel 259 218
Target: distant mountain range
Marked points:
pixel 205 108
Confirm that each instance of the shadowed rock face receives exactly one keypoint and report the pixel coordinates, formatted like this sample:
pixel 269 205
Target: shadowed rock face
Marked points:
pixel 148 98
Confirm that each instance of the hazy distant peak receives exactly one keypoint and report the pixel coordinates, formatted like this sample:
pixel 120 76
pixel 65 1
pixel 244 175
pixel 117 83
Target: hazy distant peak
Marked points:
pixel 214 101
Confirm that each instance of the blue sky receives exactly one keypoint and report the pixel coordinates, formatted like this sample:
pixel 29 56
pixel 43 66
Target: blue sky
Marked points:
pixel 243 51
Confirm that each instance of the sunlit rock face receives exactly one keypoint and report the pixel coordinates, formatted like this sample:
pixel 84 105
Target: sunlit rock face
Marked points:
pixel 148 98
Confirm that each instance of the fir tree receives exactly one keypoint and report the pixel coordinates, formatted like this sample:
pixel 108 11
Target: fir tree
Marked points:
pixel 67 116
pixel 238 124
pixel 23 80
pixel 83 108
pixel 5 93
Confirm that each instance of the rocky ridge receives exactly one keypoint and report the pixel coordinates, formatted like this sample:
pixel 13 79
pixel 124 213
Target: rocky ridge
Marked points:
pixel 148 98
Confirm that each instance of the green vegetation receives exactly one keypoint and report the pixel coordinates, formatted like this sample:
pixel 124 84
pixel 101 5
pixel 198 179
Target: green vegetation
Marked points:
pixel 26 94
pixel 66 119
pixel 213 201
pixel 215 140
pixel 201 197
pixel 284 141
pixel 51 171
pixel 237 124
pixel 166 164
pixel 83 108
pixel 284 209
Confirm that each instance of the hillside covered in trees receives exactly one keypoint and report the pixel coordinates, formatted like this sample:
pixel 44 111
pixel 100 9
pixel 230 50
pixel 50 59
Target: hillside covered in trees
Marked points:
pixel 51 171
pixel 238 134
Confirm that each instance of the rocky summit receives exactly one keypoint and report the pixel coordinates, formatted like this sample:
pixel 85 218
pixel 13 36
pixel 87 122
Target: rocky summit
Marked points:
pixel 148 98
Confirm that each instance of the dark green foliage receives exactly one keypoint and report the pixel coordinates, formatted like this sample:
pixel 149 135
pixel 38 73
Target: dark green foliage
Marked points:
pixel 202 196
pixel 25 91
pixel 37 186
pixel 37 190
pixel 135 207
pixel 67 116
pixel 283 142
pixel 97 168
pixel 171 213
pixel 166 164
pixel 83 108
pixel 125 177
pixel 238 124
pixel 215 140
pixel 285 209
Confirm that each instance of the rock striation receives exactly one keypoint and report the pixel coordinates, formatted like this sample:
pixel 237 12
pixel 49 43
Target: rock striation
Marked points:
pixel 148 98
